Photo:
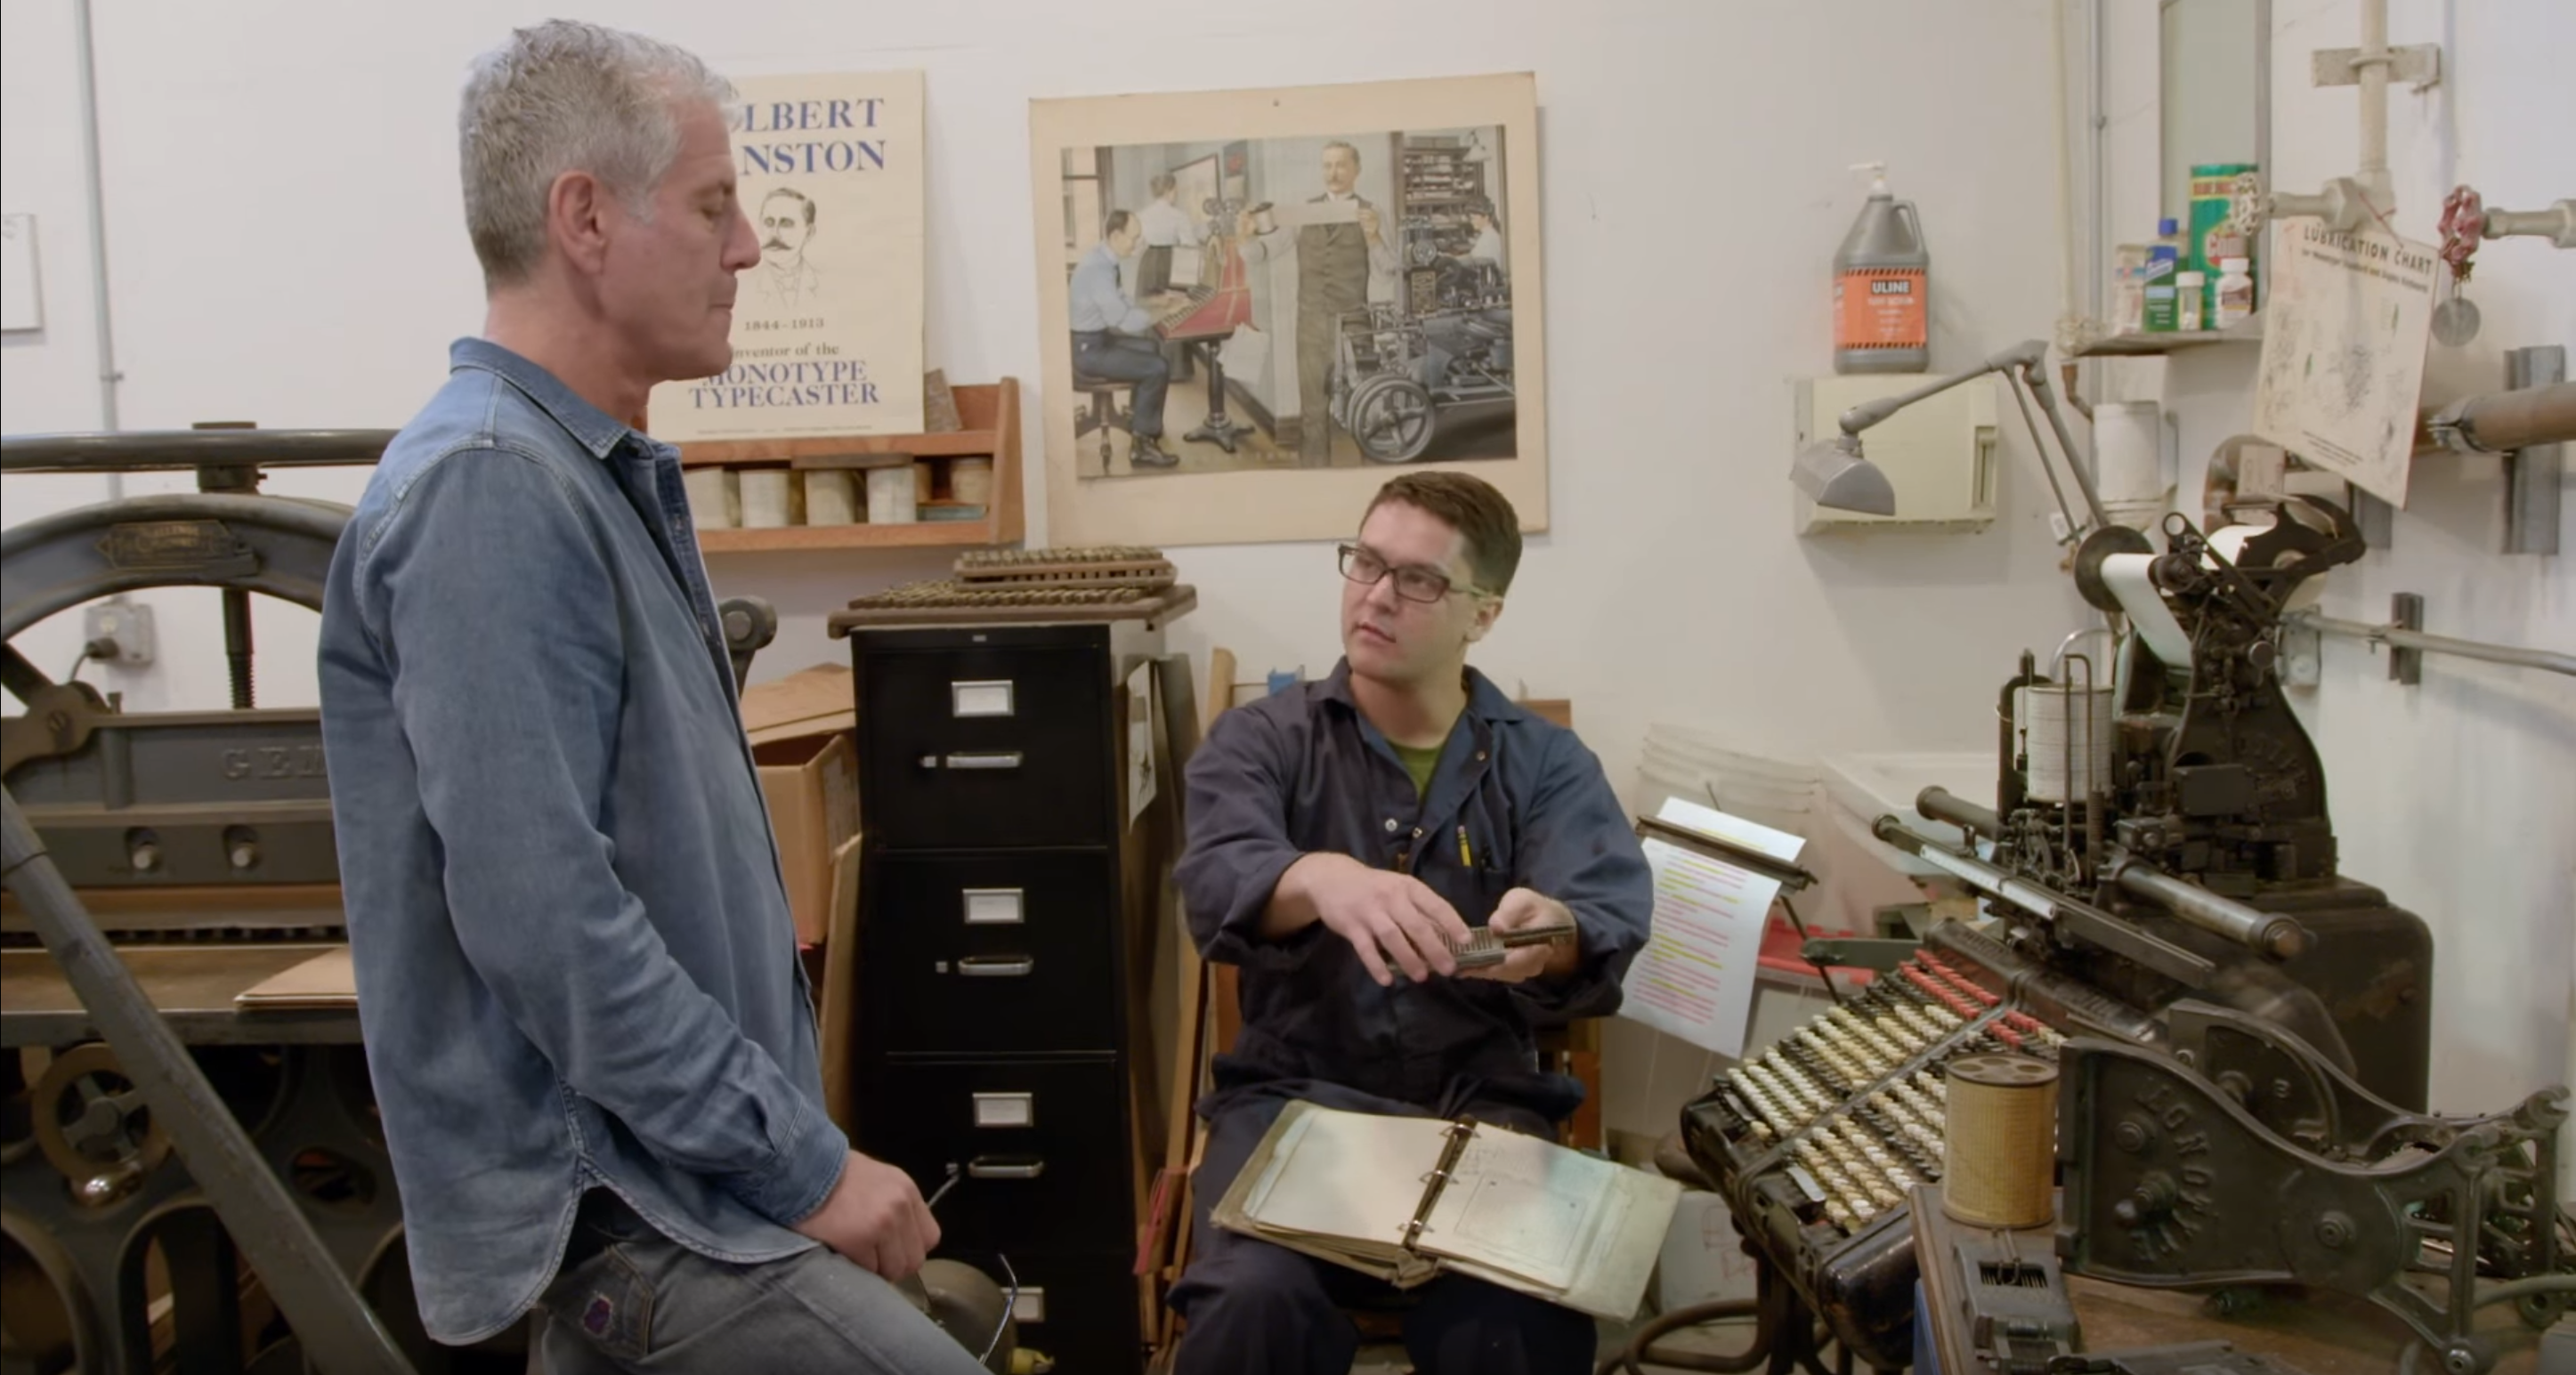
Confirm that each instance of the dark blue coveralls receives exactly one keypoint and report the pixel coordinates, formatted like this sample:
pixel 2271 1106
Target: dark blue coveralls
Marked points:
pixel 1515 801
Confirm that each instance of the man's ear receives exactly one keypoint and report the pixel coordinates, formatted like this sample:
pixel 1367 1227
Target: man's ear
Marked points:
pixel 578 210
pixel 1488 610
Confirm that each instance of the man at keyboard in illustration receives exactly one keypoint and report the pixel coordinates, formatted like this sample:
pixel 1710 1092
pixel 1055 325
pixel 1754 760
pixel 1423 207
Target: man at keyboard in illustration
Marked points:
pixel 1344 838
pixel 1113 337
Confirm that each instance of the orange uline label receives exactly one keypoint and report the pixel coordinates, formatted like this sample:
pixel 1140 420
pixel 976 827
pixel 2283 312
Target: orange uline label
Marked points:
pixel 1879 307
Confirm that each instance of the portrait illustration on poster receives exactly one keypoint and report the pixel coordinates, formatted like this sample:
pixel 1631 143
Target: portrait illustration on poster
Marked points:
pixel 827 325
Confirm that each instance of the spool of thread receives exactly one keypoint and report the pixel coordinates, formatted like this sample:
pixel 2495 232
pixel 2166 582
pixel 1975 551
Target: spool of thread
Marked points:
pixel 1999 1168
pixel 891 499
pixel 831 497
pixel 925 484
pixel 715 497
pixel 970 480
pixel 765 497
pixel 2066 740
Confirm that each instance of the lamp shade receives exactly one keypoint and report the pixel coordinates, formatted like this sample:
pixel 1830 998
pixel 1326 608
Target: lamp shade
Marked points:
pixel 1833 474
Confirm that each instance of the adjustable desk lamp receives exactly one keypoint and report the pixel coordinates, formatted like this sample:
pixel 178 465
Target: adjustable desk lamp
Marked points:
pixel 1834 474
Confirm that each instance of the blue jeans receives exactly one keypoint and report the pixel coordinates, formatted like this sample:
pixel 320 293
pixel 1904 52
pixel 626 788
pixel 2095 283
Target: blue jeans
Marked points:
pixel 631 1299
pixel 1128 358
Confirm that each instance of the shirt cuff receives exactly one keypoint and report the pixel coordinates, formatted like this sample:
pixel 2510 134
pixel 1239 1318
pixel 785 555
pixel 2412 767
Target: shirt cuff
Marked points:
pixel 1239 940
pixel 808 1167
pixel 1589 991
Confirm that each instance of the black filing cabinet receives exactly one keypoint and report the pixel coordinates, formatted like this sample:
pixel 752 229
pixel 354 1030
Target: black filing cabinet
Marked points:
pixel 1005 901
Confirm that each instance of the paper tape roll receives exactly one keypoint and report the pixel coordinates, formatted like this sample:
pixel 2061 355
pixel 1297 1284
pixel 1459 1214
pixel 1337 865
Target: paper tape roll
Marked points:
pixel 715 497
pixel 2000 1159
pixel 2126 576
pixel 764 497
pixel 2066 734
pixel 890 496
pixel 831 497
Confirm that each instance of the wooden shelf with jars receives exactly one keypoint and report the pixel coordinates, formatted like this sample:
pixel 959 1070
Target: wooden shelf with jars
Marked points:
pixel 946 519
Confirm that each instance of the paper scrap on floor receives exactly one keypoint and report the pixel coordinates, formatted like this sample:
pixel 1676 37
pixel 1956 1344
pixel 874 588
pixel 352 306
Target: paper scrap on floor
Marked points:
pixel 1694 979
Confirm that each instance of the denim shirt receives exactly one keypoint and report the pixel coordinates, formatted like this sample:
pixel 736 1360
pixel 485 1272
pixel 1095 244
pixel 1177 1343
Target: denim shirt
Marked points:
pixel 1514 802
pixel 574 959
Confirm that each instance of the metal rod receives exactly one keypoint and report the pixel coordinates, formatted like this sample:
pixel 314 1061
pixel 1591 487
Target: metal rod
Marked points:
pixel 108 375
pixel 237 645
pixel 2262 124
pixel 2556 224
pixel 2039 447
pixel 189 450
pixel 2269 932
pixel 2072 915
pixel 340 1333
pixel 2372 68
pixel 1941 804
pixel 1779 871
pixel 2534 472
pixel 2038 382
pixel 2546 660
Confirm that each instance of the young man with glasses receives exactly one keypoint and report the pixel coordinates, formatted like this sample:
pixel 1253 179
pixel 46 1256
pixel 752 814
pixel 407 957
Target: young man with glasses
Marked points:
pixel 1343 839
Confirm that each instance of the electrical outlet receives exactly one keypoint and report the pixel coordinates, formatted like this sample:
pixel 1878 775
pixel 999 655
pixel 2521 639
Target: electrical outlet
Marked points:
pixel 128 625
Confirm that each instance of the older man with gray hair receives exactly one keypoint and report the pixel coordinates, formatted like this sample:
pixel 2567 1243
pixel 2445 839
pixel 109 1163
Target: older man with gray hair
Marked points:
pixel 592 1045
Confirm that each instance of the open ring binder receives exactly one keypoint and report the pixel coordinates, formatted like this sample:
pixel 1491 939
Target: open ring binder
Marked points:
pixel 1476 1198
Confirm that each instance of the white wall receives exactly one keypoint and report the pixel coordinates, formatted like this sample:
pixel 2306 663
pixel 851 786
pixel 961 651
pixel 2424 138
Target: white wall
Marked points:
pixel 287 249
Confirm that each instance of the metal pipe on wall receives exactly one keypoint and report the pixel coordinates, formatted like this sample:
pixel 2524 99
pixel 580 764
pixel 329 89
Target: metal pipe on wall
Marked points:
pixel 2398 637
pixel 2372 67
pixel 2501 422
pixel 93 169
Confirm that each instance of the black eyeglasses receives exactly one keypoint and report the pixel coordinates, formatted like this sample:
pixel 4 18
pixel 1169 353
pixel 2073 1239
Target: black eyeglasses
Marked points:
pixel 1413 582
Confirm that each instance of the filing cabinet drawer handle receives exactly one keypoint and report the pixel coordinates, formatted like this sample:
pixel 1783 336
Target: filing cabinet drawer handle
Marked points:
pixel 974 759
pixel 1004 1167
pixel 997 967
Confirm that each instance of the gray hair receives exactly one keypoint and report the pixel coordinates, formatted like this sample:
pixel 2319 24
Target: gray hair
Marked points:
pixel 568 97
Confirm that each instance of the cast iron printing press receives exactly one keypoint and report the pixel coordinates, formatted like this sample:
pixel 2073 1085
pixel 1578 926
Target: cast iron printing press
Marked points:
pixel 2240 1032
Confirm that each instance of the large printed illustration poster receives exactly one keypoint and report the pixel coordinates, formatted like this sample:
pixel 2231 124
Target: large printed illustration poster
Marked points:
pixel 1256 306
pixel 827 326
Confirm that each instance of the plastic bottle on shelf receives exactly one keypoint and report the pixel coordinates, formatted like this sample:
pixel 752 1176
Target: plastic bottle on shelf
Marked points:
pixel 1882 281
pixel 2164 261
pixel 2189 296
pixel 2235 292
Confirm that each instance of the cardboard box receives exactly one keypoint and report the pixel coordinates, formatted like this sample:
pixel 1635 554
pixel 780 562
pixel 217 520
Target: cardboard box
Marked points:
pixel 812 786
pixel 810 702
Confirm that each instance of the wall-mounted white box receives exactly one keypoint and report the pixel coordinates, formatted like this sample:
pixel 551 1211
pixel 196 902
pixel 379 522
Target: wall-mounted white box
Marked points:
pixel 1939 453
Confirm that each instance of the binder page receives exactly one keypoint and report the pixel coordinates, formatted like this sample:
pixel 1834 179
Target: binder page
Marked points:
pixel 1348 1174
pixel 1521 1205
